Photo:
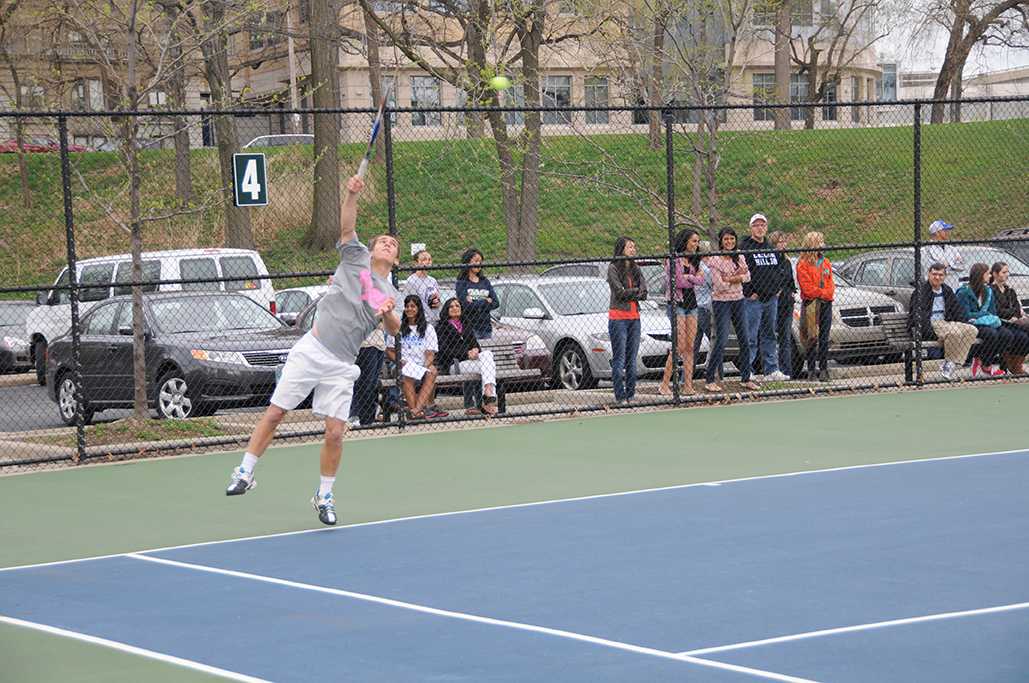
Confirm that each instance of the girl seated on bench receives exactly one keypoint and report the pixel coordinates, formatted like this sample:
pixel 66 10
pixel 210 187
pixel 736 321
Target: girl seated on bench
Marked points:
pixel 459 347
pixel 418 347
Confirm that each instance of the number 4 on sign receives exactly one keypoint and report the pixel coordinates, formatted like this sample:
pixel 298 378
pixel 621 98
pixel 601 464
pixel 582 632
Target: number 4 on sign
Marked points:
pixel 250 183
pixel 250 179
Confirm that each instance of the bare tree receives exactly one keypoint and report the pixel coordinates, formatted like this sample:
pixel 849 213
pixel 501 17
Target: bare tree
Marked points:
pixel 177 100
pixel 783 39
pixel 8 28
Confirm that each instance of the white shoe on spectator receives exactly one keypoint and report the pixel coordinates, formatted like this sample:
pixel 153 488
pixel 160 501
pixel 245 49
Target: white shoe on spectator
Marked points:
pixel 354 421
pixel 947 369
pixel 757 378
pixel 777 376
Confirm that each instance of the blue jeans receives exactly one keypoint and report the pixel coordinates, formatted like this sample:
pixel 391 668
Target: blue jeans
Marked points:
pixel 703 328
pixel 724 313
pixel 761 316
pixel 366 388
pixel 625 345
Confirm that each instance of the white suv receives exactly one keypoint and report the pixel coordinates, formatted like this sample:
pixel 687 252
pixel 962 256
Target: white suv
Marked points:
pixel 100 278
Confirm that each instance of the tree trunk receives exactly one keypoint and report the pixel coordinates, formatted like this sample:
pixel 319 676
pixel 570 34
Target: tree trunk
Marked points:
pixel 324 229
pixel 956 87
pixel 655 87
pixel 783 29
pixel 19 132
pixel 177 95
pixel 374 75
pixel 521 243
pixel 812 85
pixel 215 46
pixel 712 160
pixel 950 59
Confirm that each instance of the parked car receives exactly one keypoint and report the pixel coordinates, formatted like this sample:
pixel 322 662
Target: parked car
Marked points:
pixel 38 144
pixel 203 351
pixel 1020 248
pixel 290 302
pixel 570 315
pixel 283 140
pixel 106 276
pixel 892 271
pixel 14 345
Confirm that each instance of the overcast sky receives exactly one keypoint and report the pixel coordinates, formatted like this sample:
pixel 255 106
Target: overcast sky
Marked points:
pixel 926 54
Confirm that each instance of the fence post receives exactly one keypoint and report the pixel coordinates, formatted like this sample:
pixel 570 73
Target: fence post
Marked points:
pixel 73 283
pixel 391 209
pixel 915 297
pixel 670 202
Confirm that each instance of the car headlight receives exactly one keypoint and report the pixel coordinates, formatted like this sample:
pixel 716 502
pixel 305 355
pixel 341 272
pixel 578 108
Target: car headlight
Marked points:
pixel 230 357
pixel 535 343
pixel 600 337
pixel 15 344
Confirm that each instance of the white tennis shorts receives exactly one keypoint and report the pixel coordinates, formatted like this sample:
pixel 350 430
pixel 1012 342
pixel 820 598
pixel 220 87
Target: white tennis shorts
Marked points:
pixel 311 366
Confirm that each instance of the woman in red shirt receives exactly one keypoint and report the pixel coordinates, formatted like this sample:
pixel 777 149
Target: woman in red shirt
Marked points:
pixel 817 289
pixel 625 279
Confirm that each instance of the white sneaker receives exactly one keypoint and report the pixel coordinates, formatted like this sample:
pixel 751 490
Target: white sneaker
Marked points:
pixel 241 482
pixel 777 376
pixel 757 378
pixel 947 369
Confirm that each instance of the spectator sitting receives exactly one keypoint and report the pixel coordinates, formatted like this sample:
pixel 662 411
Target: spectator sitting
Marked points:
pixel 425 286
pixel 728 273
pixel 761 297
pixel 817 291
pixel 366 389
pixel 940 317
pixel 476 294
pixel 787 298
pixel 418 347
pixel 682 306
pixel 980 309
pixel 1009 310
pixel 941 252
pixel 459 348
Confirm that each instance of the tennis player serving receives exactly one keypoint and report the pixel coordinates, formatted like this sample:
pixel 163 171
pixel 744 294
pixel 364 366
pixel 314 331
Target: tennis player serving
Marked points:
pixel 360 296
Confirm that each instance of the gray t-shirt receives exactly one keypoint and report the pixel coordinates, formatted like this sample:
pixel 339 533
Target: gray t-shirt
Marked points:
pixel 346 314
pixel 424 288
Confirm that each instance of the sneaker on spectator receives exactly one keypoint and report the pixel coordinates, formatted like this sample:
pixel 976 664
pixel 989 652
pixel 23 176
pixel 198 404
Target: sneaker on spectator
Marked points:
pixel 947 369
pixel 241 482
pixel 995 371
pixel 777 376
pixel 325 506
pixel 757 378
pixel 977 367
pixel 433 412
pixel 354 421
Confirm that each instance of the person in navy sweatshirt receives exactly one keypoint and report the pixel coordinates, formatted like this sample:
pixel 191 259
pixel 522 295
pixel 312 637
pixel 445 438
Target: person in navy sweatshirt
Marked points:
pixel 476 294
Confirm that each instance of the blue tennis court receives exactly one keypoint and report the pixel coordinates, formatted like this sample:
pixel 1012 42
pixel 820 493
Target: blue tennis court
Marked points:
pixel 899 572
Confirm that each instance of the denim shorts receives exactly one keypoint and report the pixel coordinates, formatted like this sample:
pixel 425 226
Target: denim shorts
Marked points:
pixel 681 311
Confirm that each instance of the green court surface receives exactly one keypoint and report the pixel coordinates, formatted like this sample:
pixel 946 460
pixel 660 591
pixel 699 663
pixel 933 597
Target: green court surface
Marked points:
pixel 111 509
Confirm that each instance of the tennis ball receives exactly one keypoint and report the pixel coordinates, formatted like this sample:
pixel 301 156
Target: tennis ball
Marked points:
pixel 500 82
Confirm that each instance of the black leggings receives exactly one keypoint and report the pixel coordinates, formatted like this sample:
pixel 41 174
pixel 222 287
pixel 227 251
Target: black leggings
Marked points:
pixel 820 352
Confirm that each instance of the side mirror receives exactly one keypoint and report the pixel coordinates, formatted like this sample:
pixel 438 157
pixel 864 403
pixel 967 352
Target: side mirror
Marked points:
pixel 288 318
pixel 42 298
pixel 534 314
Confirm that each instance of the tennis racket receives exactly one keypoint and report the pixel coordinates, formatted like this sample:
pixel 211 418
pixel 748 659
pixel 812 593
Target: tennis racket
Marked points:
pixel 362 169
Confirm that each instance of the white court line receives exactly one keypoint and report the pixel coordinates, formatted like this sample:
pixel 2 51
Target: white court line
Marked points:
pixel 524 505
pixel 132 649
pixel 463 616
pixel 859 627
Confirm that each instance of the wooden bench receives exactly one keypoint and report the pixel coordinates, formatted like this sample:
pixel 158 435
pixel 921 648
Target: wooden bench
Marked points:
pixel 507 372
pixel 898 335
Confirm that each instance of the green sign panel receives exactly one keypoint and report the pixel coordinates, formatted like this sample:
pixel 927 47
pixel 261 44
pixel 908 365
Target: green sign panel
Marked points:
pixel 250 179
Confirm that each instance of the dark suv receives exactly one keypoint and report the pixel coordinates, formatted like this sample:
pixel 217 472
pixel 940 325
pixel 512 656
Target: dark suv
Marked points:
pixel 204 351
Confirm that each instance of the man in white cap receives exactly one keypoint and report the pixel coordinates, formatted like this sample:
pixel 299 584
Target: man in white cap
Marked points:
pixel 941 252
pixel 761 297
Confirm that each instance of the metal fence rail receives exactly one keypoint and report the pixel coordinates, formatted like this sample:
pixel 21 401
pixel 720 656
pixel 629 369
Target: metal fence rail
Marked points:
pixel 198 350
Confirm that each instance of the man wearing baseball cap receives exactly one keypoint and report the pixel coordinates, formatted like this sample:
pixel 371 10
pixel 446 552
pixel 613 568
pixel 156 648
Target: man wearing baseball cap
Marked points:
pixel 761 297
pixel 941 252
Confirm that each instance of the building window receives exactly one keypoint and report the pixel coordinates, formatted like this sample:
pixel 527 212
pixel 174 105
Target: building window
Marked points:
pixel 596 96
pixel 855 96
pixel 764 91
pixel 829 109
pixel 32 97
pixel 87 94
pixel 798 93
pixel 514 97
pixel 802 12
pixel 888 93
pixel 557 92
pixel 304 10
pixel 425 93
pixel 764 13
pixel 267 32
pixel 157 98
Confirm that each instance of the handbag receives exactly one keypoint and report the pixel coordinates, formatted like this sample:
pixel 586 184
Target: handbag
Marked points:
pixel 988 320
pixel 809 323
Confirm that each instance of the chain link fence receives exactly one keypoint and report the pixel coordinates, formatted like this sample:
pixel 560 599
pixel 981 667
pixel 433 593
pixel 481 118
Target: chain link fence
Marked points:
pixel 553 262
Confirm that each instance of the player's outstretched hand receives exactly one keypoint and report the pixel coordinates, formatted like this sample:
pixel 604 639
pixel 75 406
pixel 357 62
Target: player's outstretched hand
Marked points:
pixel 355 184
pixel 385 307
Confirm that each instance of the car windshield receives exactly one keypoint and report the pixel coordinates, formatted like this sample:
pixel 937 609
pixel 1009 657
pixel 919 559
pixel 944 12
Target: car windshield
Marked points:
pixel 211 314
pixel 13 315
pixel 577 298
pixel 989 256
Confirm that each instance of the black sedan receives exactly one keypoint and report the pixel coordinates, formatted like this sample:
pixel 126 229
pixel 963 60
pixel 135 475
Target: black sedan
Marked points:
pixel 203 351
pixel 14 348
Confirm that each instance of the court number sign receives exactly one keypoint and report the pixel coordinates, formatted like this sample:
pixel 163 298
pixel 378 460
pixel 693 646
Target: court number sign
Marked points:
pixel 250 179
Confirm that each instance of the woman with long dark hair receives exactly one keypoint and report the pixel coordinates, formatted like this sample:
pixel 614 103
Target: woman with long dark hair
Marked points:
pixel 476 294
pixel 682 305
pixel 628 288
pixel 980 307
pixel 728 273
pixel 459 348
pixel 418 348
pixel 1009 310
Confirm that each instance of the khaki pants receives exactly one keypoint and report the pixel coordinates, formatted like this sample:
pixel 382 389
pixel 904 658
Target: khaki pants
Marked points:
pixel 957 339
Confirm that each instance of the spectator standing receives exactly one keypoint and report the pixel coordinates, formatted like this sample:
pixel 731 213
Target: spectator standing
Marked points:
pixel 628 288
pixel 424 286
pixel 761 297
pixel 1009 310
pixel 418 348
pixel 941 252
pixel 682 305
pixel 703 292
pixel 817 291
pixel 787 299
pixel 940 317
pixel 980 309
pixel 366 389
pixel 459 349
pixel 728 273
pixel 476 294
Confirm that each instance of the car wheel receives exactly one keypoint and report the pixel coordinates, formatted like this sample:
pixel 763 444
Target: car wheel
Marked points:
pixel 40 362
pixel 66 401
pixel 572 371
pixel 173 399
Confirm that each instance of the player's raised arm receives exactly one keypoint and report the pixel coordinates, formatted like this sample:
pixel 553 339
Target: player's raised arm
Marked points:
pixel 348 209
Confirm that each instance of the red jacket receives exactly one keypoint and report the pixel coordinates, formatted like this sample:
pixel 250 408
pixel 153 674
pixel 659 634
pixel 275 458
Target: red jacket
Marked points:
pixel 815 280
